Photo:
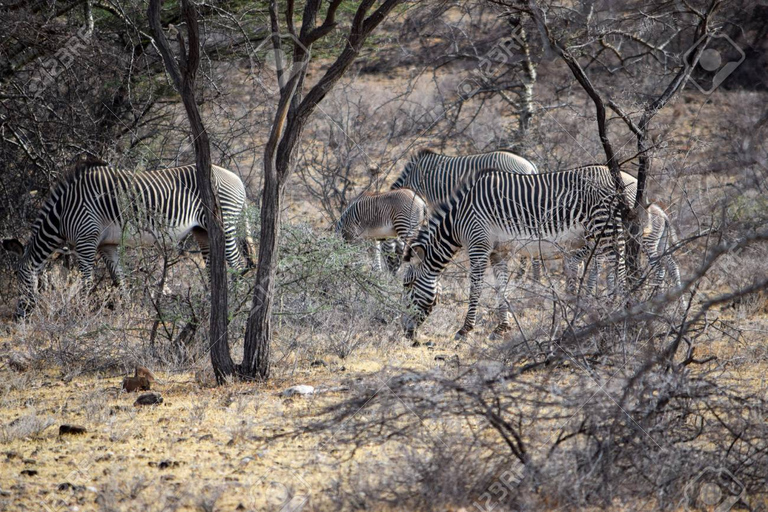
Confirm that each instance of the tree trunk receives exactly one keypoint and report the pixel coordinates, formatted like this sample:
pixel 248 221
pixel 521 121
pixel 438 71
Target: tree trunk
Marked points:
pixel 258 331
pixel 183 78
pixel 291 116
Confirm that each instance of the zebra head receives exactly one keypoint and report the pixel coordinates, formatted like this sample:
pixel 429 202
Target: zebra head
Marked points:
pixel 26 276
pixel 421 289
pixel 348 226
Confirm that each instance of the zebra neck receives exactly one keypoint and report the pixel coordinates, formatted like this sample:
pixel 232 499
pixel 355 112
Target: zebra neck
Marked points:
pixel 441 248
pixel 47 235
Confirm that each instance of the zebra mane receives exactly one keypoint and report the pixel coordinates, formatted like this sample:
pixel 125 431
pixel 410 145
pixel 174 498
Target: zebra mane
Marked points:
pixel 441 211
pixel 80 168
pixel 424 152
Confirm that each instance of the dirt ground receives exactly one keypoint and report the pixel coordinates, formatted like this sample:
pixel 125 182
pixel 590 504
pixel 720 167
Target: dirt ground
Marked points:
pixel 207 448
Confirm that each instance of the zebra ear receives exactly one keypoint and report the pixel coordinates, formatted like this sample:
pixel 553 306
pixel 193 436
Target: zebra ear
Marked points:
pixel 413 254
pixel 14 246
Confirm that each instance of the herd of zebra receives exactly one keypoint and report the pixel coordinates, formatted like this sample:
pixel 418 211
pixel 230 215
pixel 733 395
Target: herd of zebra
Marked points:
pixel 493 204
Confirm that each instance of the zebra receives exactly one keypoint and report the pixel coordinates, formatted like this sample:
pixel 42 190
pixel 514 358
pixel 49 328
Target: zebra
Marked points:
pixel 393 214
pixel 437 177
pixel 98 208
pixel 657 236
pixel 574 211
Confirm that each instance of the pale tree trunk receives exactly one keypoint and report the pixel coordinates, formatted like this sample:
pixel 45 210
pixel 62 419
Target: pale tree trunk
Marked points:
pixel 183 76
pixel 529 81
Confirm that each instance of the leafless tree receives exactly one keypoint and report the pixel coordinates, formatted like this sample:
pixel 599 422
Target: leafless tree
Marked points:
pixel 294 109
pixel 183 75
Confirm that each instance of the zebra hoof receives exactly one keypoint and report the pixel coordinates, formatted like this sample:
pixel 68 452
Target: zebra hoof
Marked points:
pixel 498 332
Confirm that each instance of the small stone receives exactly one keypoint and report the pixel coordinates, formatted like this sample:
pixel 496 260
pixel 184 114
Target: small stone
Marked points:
pixel 66 486
pixel 29 472
pixel 301 389
pixel 318 362
pixel 164 464
pixel 71 430
pixel 148 399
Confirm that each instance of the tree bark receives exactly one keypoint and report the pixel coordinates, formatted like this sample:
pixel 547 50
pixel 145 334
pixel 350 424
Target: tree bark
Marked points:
pixel 292 114
pixel 183 77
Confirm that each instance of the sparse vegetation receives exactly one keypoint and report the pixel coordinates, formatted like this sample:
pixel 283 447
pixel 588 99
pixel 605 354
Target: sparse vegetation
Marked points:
pixel 590 402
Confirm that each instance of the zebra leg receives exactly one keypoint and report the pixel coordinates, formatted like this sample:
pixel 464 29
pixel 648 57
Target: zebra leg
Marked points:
pixel 201 237
pixel 672 267
pixel 522 268
pixel 536 264
pixel 572 264
pixel 86 258
pixel 478 260
pixel 377 256
pixel 594 275
pixel 232 247
pixel 619 265
pixel 392 250
pixel 111 256
pixel 501 278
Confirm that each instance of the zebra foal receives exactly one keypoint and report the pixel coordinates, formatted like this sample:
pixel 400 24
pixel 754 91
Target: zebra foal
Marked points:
pixel 388 215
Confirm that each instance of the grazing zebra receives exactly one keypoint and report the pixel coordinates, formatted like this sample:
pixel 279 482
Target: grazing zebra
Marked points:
pixel 98 208
pixel 393 214
pixel 656 237
pixel 539 215
pixel 437 177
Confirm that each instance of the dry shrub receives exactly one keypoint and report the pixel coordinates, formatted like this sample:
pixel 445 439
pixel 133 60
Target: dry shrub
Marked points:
pixel 28 425
pixel 328 299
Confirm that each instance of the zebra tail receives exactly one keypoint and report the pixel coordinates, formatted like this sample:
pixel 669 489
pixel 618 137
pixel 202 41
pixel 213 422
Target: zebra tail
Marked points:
pixel 251 252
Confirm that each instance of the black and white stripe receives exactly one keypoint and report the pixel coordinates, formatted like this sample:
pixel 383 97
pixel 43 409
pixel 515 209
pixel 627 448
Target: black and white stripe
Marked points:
pixel 437 177
pixel 657 236
pixel 99 208
pixel 394 214
pixel 542 215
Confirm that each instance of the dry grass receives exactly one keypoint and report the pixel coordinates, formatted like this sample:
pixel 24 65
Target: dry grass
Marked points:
pixel 223 448
pixel 200 444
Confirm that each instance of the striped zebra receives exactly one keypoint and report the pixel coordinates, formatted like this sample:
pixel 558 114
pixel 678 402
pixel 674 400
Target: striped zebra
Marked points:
pixel 539 215
pixel 98 208
pixel 437 177
pixel 657 236
pixel 395 214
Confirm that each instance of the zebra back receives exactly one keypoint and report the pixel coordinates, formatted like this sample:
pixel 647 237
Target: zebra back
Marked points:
pixel 436 177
